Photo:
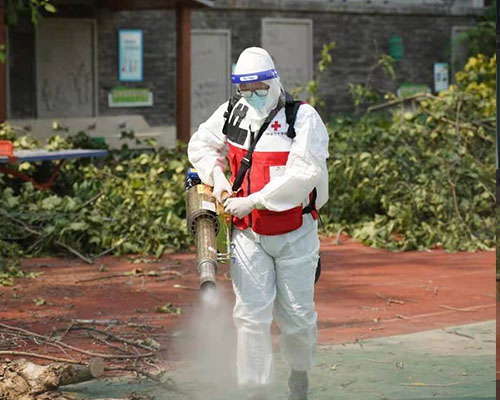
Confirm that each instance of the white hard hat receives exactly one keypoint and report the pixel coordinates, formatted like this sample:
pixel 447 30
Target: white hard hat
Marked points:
pixel 254 65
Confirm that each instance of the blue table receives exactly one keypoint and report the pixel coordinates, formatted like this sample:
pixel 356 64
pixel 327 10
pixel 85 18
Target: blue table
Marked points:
pixel 8 155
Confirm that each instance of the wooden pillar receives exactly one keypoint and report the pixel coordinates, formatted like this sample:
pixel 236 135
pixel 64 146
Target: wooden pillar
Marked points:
pixel 3 77
pixel 183 73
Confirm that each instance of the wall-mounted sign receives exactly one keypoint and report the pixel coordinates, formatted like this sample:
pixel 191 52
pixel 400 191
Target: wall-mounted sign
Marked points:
pixel 410 89
pixel 441 82
pixel 130 55
pixel 130 97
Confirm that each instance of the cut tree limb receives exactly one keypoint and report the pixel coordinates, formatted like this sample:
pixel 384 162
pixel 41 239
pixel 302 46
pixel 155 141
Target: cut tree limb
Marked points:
pixel 21 379
pixel 50 340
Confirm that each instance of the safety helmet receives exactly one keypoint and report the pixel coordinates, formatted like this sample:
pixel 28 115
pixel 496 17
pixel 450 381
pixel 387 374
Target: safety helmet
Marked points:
pixel 254 65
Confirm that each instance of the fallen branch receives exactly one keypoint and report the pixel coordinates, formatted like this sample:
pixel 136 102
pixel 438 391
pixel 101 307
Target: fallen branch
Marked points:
pixel 465 124
pixel 115 337
pixel 111 248
pixel 35 355
pixel 110 345
pixel 58 242
pixel 125 274
pixel 96 321
pixel 185 287
pixel 76 349
pixel 89 201
pixel 168 384
pixel 389 300
pixel 459 334
pixel 100 278
pixel 339 232
pixel 456 309
pixel 398 101
pixel 421 384
pixel 380 362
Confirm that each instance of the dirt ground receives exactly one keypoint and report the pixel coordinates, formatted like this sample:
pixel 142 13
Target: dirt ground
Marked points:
pixel 363 293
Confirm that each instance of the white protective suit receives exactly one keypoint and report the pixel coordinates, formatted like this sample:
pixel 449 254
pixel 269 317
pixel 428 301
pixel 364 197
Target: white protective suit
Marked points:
pixel 272 271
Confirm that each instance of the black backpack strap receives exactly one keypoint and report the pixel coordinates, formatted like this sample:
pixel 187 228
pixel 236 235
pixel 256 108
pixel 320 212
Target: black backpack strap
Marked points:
pixel 247 160
pixel 230 105
pixel 291 109
pixel 312 203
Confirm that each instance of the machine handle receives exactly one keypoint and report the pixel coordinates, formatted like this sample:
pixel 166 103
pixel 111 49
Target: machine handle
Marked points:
pixel 224 196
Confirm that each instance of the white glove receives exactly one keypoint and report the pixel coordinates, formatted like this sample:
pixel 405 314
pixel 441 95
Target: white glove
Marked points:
pixel 239 206
pixel 221 184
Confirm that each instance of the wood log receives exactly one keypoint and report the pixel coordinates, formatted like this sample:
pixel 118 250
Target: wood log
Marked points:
pixel 23 380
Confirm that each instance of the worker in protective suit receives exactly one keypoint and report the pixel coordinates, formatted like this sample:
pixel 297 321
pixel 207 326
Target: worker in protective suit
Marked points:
pixel 275 240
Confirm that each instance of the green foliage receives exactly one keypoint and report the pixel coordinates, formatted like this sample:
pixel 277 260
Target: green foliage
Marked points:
pixel 420 177
pixel 362 94
pixel 133 202
pixel 9 263
pixel 313 85
pixel 481 38
pixel 169 308
pixel 14 8
pixel 365 94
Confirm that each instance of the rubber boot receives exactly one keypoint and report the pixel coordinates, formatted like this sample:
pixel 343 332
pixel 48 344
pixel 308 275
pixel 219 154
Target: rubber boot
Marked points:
pixel 298 385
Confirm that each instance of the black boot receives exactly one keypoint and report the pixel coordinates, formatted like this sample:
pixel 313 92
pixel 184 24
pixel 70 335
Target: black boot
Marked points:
pixel 298 385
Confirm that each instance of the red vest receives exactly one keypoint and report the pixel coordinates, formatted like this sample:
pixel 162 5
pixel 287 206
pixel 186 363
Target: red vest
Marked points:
pixel 265 222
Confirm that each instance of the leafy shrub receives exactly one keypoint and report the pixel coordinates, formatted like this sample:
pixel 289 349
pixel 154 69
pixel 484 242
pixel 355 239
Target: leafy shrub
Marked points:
pixel 421 177
pixel 133 205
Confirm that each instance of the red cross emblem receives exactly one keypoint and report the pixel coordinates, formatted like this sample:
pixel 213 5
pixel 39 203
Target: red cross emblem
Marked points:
pixel 276 126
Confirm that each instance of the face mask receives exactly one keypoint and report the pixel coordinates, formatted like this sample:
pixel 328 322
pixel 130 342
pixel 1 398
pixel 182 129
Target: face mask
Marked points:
pixel 257 102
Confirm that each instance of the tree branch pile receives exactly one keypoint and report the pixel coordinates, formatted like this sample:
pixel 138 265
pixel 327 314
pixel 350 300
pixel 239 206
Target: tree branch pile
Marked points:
pixel 22 379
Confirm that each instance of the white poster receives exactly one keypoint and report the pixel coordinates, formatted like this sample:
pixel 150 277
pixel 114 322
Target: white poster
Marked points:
pixel 441 81
pixel 130 55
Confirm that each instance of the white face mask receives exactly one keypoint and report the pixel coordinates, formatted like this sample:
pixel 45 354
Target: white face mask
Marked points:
pixel 261 107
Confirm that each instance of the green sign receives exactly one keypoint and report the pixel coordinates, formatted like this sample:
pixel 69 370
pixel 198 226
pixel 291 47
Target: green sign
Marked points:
pixel 410 89
pixel 130 97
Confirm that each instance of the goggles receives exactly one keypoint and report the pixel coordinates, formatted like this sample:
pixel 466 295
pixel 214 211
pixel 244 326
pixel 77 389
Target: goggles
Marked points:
pixel 249 93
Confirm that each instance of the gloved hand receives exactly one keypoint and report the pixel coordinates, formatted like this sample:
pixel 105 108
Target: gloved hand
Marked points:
pixel 221 184
pixel 239 206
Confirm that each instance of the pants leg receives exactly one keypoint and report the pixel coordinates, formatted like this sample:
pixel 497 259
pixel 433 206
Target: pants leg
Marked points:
pixel 254 284
pixel 294 309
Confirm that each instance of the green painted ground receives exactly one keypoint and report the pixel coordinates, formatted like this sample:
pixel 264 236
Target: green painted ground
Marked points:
pixel 456 363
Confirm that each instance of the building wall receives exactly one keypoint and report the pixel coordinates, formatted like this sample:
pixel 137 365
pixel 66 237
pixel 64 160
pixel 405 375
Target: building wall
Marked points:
pixel 425 32
pixel 158 63
pixel 21 97
pixel 359 38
